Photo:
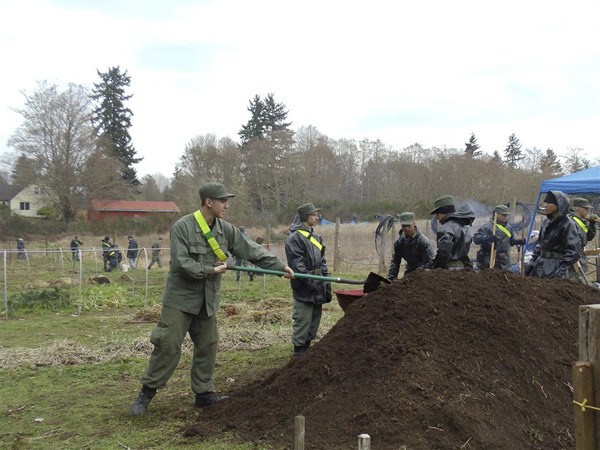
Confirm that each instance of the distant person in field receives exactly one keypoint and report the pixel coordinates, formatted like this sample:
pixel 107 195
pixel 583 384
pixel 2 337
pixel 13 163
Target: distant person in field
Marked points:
pixel 412 246
pixel 132 252
pixel 586 226
pixel 114 258
pixel 156 248
pixel 75 244
pixel 453 238
pixel 21 248
pixel 503 239
pixel 558 246
pixel 200 246
pixel 305 253
pixel 106 248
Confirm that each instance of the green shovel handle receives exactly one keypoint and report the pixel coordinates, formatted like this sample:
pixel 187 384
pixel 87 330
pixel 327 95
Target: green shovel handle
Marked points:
pixel 297 275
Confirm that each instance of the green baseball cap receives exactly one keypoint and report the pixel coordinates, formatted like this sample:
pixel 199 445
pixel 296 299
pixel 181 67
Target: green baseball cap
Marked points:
pixel 305 210
pixel 502 209
pixel 213 190
pixel 581 202
pixel 406 218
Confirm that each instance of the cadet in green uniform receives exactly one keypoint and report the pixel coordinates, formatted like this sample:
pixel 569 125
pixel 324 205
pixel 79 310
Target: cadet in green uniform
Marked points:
pixel 199 246
pixel 156 246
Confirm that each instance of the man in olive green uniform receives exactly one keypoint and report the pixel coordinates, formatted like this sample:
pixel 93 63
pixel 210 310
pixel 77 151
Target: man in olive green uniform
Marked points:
pixel 199 246
pixel 156 247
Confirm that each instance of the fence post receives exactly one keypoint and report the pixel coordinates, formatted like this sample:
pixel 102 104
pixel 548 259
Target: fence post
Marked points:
pixel 299 433
pixel 364 442
pixel 382 246
pixel 589 351
pixel 336 246
pixel 5 285
pixel 583 389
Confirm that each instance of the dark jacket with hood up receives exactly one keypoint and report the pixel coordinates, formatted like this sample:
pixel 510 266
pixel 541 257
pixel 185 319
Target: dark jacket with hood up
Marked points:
pixel 454 238
pixel 416 251
pixel 305 257
pixel 558 247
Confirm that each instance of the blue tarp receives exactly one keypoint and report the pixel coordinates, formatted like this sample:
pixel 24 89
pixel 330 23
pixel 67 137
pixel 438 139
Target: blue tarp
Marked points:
pixel 583 182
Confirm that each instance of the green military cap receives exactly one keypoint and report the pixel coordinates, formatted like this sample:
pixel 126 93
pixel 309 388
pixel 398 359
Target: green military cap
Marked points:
pixel 502 209
pixel 213 190
pixel 406 218
pixel 305 210
pixel 442 202
pixel 581 202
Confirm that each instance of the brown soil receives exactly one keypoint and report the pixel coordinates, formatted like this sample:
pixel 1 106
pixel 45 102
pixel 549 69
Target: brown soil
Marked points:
pixel 437 360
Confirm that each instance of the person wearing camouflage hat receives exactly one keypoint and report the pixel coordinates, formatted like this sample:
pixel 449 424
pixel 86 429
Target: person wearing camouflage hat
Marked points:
pixel 503 238
pixel 452 235
pixel 558 247
pixel 586 226
pixel 411 245
pixel 200 245
pixel 305 253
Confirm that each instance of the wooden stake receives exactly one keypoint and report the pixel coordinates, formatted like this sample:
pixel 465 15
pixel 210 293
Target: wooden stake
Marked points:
pixel 493 250
pixel 522 268
pixel 589 350
pixel 583 385
pixel 336 246
pixel 299 433
pixel 364 442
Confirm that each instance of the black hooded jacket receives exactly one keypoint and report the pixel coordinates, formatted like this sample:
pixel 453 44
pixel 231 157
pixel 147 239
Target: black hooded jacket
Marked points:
pixel 558 247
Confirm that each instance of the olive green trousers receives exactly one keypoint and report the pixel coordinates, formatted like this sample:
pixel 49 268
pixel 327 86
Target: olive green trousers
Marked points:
pixel 307 318
pixel 168 337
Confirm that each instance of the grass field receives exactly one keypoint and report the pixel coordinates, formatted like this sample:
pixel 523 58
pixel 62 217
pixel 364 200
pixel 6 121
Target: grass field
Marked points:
pixel 68 380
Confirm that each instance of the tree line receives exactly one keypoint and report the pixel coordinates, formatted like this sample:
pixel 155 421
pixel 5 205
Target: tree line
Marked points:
pixel 75 142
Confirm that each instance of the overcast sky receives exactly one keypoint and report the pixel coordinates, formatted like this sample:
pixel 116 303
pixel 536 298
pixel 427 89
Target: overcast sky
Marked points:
pixel 403 72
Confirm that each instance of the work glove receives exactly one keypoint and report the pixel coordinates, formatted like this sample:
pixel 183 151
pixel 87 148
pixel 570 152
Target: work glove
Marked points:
pixel 528 269
pixel 492 238
pixel 519 241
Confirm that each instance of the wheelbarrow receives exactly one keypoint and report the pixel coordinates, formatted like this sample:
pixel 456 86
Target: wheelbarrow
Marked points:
pixel 344 298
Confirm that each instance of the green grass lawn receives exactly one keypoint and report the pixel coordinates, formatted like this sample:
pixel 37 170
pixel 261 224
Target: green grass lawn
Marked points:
pixel 68 380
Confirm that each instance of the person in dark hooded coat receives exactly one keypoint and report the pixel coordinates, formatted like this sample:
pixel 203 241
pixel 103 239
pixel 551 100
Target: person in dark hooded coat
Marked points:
pixel 453 237
pixel 306 254
pixel 558 247
pixel 411 245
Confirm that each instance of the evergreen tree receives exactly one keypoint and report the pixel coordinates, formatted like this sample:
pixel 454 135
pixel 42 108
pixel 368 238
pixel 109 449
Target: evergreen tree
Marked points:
pixel 549 163
pixel 472 147
pixel 268 119
pixel 112 119
pixel 496 156
pixel 575 161
pixel 512 152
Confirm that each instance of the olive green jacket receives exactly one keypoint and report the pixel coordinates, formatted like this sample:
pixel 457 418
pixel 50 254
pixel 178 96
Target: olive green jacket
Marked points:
pixel 192 279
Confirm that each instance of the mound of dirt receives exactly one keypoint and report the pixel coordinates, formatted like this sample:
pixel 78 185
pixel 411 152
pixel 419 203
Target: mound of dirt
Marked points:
pixel 439 359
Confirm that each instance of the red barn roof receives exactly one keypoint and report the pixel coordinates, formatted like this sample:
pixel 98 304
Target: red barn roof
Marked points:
pixel 134 206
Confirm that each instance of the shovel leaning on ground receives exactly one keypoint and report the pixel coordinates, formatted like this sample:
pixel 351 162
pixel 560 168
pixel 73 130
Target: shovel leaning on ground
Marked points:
pixel 371 284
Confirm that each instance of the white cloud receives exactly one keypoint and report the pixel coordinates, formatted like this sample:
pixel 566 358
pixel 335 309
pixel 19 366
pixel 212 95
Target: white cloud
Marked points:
pixel 404 72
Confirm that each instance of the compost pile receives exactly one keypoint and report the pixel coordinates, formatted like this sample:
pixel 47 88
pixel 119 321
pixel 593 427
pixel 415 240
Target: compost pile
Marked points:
pixel 439 359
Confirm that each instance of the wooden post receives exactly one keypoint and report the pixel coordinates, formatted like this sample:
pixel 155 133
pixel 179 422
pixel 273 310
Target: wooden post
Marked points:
pixel 299 433
pixel 364 442
pixel 268 246
pixel 583 385
pixel 336 246
pixel 589 350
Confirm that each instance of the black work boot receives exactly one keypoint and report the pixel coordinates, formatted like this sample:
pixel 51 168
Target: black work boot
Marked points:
pixel 307 345
pixel 299 349
pixel 207 399
pixel 141 403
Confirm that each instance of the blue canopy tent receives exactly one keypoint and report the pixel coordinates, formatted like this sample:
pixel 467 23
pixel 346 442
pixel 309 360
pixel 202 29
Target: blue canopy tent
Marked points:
pixel 583 182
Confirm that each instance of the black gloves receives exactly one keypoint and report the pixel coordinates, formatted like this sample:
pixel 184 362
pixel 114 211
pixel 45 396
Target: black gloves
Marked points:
pixel 519 241
pixel 528 269
pixel 492 238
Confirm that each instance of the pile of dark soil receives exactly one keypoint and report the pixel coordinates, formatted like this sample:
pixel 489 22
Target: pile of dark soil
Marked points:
pixel 439 359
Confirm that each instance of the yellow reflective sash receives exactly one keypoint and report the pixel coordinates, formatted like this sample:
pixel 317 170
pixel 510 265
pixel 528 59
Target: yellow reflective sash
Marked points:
pixel 210 237
pixel 506 232
pixel 581 224
pixel 312 238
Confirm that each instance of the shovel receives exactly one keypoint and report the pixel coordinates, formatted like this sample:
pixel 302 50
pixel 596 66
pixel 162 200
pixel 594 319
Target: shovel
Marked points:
pixel 371 284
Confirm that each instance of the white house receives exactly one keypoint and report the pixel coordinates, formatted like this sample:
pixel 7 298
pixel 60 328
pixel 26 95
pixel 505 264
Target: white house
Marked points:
pixel 25 200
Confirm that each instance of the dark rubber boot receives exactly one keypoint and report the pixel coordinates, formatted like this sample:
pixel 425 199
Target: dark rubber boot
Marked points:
pixel 208 398
pixel 299 349
pixel 141 403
